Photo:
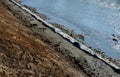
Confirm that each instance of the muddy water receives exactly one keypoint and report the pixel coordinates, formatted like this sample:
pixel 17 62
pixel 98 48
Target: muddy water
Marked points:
pixel 98 20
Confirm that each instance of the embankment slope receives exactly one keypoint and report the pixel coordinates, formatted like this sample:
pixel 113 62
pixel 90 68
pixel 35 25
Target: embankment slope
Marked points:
pixel 22 54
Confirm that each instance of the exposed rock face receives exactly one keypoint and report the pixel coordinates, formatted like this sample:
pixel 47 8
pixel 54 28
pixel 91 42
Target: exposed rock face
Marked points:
pixel 22 54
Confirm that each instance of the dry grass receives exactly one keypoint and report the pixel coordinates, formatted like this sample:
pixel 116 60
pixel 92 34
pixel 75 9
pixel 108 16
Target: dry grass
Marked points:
pixel 22 54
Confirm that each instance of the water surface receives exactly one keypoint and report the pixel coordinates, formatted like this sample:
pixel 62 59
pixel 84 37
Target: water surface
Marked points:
pixel 98 20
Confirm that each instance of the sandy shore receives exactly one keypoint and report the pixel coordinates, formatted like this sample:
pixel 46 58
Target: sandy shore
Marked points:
pixel 90 65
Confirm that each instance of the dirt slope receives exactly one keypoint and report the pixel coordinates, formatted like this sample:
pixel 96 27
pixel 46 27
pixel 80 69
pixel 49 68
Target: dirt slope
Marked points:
pixel 24 55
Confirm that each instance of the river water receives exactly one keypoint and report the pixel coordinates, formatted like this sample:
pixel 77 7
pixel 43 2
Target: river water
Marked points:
pixel 98 20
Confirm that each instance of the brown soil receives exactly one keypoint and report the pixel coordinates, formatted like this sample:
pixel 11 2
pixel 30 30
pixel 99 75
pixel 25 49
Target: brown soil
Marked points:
pixel 22 54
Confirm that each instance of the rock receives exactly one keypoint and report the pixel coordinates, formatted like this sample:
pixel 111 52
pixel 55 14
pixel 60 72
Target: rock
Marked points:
pixel 114 39
pixel 81 36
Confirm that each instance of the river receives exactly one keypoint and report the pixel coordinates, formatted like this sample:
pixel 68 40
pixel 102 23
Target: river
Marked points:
pixel 98 20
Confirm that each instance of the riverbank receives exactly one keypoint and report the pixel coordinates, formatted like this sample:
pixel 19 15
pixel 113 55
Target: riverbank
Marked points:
pixel 71 37
pixel 89 64
pixel 74 38
pixel 22 54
